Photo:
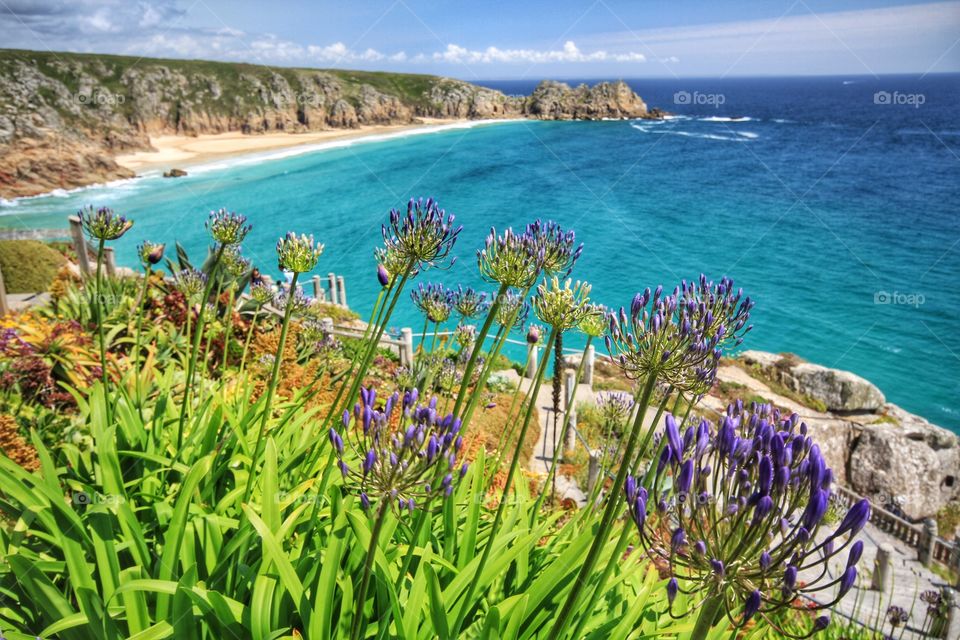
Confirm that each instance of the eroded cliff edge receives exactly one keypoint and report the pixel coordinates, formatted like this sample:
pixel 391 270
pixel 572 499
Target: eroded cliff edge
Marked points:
pixel 63 116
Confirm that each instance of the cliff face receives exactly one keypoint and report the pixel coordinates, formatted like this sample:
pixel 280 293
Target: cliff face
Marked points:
pixel 64 116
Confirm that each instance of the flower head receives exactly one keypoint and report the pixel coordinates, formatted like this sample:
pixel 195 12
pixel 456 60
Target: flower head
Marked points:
pixel 103 223
pixel 434 301
pixel 228 228
pixel 513 310
pixel 398 448
pixel 744 504
pixel 150 252
pixel 297 300
pixel 465 335
pixel 614 406
pixel 679 337
pixel 469 303
pixel 421 238
pixel 191 283
pixel 234 264
pixel 510 259
pixel 390 261
pixel 261 293
pixel 561 307
pixel 556 248
pixel 298 253
pixel 594 322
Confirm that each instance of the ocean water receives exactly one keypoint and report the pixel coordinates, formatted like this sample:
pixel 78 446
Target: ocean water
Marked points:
pixel 834 202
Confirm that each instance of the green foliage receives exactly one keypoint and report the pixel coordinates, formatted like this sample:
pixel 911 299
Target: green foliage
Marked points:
pixel 29 266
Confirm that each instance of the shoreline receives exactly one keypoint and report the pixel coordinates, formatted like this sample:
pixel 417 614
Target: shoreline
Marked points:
pixel 179 151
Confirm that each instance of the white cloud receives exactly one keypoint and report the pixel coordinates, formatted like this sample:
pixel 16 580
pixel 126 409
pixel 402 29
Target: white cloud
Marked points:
pixel 569 53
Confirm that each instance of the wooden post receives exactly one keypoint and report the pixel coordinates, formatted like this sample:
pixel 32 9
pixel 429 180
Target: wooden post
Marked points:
pixel 332 287
pixel 588 366
pixel 110 261
pixel 4 308
pixel 570 387
pixel 406 350
pixel 317 289
pixel 343 292
pixel 593 471
pixel 532 357
pixel 326 325
pixel 882 580
pixel 927 541
pixel 80 246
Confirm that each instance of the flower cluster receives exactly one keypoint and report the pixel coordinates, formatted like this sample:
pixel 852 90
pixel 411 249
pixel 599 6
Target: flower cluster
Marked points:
pixel 103 223
pixel 191 283
pixel 614 406
pixel 561 307
pixel 298 301
pixel 421 238
pixel 469 303
pixel 556 249
pixel 298 254
pixel 234 264
pixel 513 310
pixel 594 322
pixel 465 335
pixel 395 457
pixel 261 293
pixel 434 301
pixel 737 514
pixel 150 252
pixel 679 338
pixel 228 228
pixel 510 259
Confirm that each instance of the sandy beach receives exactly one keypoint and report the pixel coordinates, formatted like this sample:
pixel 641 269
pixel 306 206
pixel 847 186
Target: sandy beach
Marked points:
pixel 183 151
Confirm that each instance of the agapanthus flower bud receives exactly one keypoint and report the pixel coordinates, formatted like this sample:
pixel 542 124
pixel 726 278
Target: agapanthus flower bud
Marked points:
pixel 150 252
pixel 752 605
pixel 561 307
pixel 298 254
pixel 190 283
pixel 533 334
pixel 103 223
pixel 383 276
pixel 672 588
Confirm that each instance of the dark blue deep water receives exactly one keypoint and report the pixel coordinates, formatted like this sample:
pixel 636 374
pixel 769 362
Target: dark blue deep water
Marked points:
pixel 834 202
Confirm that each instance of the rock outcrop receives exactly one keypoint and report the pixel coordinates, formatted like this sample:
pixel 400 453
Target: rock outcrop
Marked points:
pixel 63 117
pixel 875 448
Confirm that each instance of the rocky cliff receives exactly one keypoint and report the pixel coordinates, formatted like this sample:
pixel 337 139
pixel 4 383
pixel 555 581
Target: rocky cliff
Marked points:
pixel 898 459
pixel 64 116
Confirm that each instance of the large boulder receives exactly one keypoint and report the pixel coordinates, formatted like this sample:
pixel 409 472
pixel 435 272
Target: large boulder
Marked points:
pixel 913 465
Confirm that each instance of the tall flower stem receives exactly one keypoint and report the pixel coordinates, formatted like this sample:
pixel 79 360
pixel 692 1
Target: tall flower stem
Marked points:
pixel 609 513
pixel 228 331
pixel 136 344
pixel 98 302
pixel 195 347
pixel 551 475
pixel 472 362
pixel 272 387
pixel 488 365
pixel 246 342
pixel 367 566
pixel 498 518
pixel 709 612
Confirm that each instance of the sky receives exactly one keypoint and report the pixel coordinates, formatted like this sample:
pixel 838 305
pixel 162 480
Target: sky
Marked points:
pixel 507 39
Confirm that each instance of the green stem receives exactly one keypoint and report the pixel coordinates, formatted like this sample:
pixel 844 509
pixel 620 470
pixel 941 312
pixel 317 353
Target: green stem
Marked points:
pixel 195 347
pixel 472 362
pixel 136 347
pixel 272 387
pixel 368 565
pixel 98 301
pixel 563 430
pixel 498 518
pixel 709 612
pixel 227 333
pixel 613 503
pixel 246 342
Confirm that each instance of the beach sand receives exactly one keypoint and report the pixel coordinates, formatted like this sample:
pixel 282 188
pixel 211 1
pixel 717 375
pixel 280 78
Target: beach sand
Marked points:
pixel 182 151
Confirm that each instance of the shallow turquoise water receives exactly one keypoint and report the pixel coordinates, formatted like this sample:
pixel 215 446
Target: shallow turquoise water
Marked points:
pixel 818 204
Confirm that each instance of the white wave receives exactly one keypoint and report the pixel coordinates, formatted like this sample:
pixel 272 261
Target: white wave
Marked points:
pixel 691 134
pixel 749 135
pixel 256 158
pixel 726 119
pixel 784 121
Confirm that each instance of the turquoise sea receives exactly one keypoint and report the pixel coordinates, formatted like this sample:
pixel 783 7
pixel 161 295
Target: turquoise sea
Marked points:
pixel 834 202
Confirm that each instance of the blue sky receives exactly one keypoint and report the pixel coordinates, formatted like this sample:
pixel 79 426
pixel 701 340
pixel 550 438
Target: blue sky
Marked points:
pixel 510 39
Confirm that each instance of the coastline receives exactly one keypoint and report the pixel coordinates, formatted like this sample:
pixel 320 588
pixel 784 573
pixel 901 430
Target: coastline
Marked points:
pixel 179 151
